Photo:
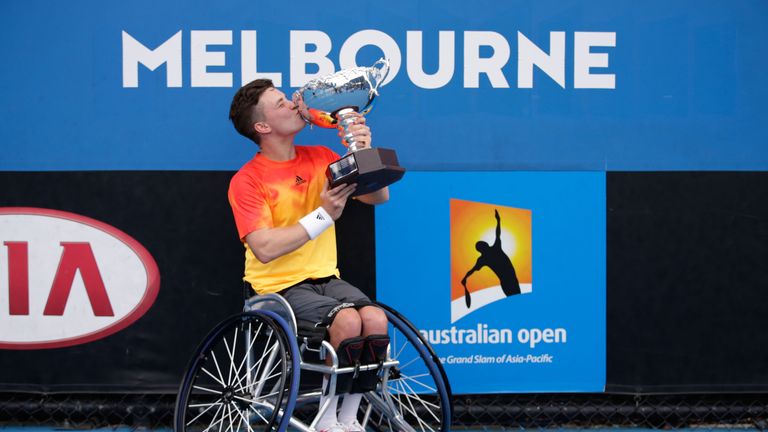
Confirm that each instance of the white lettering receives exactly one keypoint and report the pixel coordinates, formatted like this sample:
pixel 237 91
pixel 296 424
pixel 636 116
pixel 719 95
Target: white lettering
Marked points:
pixel 552 64
pixel 479 335
pixel 201 58
pixel 445 57
pixel 474 65
pixel 169 53
pixel 534 336
pixel 583 60
pixel 485 53
pixel 300 57
pixel 248 67
pixel 348 53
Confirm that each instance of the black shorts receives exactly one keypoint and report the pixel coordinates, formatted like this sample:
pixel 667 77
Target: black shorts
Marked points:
pixel 317 301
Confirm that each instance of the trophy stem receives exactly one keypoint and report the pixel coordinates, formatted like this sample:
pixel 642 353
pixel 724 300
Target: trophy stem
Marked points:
pixel 346 118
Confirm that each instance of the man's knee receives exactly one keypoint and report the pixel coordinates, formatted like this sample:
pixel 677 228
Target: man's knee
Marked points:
pixel 374 320
pixel 346 324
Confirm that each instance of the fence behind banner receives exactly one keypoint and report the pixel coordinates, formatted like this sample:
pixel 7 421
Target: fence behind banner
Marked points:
pixel 471 411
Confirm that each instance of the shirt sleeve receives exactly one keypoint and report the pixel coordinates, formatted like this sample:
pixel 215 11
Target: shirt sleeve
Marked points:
pixel 249 205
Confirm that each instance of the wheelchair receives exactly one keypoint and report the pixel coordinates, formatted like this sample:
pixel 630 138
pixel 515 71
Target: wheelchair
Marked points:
pixel 254 370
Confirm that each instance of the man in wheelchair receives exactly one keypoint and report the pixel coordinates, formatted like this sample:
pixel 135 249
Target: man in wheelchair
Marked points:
pixel 285 213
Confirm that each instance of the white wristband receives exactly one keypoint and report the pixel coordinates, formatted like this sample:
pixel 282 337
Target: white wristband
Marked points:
pixel 316 222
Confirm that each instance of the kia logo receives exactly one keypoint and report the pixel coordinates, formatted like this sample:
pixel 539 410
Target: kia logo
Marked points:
pixel 66 279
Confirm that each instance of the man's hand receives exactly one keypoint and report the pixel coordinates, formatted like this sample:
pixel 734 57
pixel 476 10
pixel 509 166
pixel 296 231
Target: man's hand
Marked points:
pixel 360 131
pixel 334 200
pixel 497 214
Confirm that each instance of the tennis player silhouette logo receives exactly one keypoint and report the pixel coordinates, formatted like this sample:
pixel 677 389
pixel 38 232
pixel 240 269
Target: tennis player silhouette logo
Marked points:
pixel 493 257
pixel 491 254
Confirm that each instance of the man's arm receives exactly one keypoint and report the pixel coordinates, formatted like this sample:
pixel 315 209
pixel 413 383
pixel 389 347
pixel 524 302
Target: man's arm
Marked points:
pixel 270 243
pixel 498 229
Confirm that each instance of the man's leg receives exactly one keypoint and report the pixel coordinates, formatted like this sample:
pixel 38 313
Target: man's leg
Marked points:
pixel 347 324
pixel 312 307
pixel 373 322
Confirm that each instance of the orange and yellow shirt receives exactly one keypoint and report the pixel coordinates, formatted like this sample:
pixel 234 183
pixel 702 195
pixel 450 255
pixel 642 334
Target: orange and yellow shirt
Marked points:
pixel 270 194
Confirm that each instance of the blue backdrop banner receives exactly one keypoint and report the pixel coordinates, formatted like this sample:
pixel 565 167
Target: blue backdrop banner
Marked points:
pixel 503 273
pixel 532 85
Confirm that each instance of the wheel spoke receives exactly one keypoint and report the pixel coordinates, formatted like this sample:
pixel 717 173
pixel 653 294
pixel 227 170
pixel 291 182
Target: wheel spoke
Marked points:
pixel 266 378
pixel 231 353
pixel 258 372
pixel 229 415
pixel 200 405
pixel 410 362
pixel 212 376
pixel 236 423
pixel 412 409
pixel 242 416
pixel 218 403
pixel 255 401
pixel 413 380
pixel 213 420
pixel 423 403
pixel 239 379
pixel 399 402
pixel 217 392
pixel 402 348
pixel 221 422
pixel 218 369
pixel 259 364
pixel 251 342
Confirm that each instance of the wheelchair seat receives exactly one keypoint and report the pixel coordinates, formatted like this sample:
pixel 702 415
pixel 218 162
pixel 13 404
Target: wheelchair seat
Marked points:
pixel 272 302
pixel 312 336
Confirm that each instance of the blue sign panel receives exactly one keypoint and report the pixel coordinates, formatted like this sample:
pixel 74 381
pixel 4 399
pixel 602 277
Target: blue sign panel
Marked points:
pixel 531 85
pixel 503 273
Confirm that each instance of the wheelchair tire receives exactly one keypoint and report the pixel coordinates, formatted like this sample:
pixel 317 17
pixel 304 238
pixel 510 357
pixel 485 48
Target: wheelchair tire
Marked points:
pixel 415 396
pixel 224 389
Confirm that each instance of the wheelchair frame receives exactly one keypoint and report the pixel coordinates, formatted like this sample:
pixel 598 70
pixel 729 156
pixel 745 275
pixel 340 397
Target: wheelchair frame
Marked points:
pixel 261 392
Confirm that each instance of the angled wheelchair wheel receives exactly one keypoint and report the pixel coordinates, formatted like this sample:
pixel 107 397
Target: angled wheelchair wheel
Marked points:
pixel 244 376
pixel 415 396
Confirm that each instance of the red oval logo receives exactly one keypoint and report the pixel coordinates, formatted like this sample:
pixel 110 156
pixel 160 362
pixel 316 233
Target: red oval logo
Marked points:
pixel 70 279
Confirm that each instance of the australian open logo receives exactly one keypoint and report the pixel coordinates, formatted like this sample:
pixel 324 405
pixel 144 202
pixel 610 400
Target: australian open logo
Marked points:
pixel 491 255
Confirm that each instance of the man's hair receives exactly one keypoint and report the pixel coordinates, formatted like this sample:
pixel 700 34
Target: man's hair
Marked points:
pixel 243 111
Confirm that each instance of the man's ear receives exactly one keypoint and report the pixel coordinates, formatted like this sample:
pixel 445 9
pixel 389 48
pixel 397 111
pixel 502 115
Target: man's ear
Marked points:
pixel 261 127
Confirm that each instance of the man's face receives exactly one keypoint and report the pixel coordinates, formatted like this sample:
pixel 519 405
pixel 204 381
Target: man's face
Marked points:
pixel 280 113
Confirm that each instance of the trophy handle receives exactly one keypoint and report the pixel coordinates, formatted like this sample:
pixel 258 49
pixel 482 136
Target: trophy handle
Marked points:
pixel 382 67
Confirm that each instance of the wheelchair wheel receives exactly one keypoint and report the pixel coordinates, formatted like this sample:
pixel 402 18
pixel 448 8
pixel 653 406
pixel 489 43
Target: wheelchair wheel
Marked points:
pixel 243 376
pixel 416 395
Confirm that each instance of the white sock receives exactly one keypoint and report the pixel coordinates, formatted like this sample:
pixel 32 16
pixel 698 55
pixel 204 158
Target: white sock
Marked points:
pixel 329 417
pixel 349 406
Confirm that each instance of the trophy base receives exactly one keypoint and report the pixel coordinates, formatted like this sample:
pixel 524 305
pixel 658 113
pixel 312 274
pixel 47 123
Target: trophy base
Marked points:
pixel 371 168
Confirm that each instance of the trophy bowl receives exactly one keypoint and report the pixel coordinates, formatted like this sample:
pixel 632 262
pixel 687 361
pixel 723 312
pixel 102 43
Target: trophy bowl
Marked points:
pixel 332 101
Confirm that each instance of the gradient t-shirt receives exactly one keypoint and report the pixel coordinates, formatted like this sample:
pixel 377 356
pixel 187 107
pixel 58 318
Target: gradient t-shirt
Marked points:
pixel 270 194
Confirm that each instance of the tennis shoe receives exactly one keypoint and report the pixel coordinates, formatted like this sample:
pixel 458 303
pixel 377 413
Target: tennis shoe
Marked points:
pixel 355 426
pixel 338 427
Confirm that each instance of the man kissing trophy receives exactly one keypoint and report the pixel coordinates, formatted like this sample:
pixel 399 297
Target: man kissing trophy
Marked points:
pixel 334 101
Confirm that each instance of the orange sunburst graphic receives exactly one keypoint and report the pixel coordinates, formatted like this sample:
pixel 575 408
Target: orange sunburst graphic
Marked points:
pixel 504 267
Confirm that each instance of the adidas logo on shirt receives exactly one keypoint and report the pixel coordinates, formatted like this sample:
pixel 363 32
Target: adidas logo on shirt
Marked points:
pixel 300 180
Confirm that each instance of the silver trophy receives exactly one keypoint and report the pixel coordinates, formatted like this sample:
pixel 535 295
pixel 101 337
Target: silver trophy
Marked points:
pixel 332 101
